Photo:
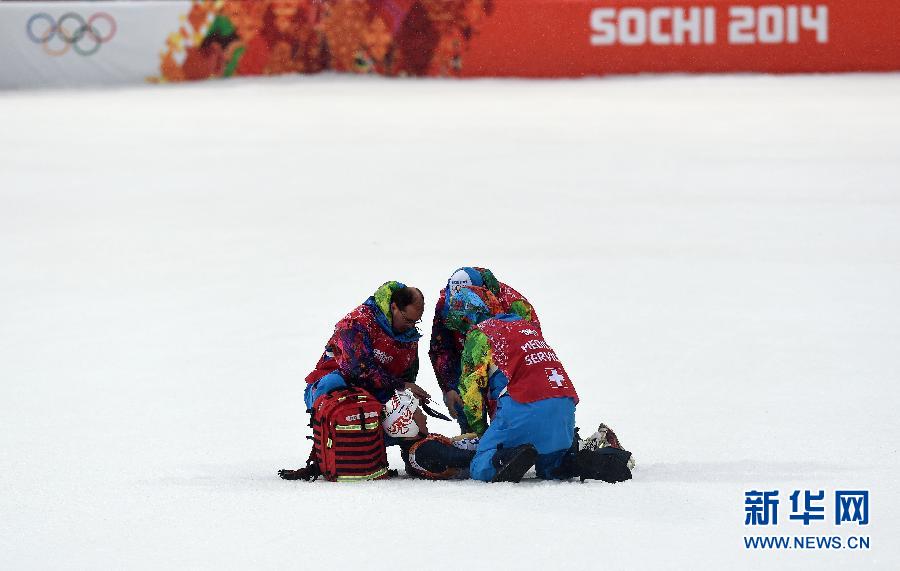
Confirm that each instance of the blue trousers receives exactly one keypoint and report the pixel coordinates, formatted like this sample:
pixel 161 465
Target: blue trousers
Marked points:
pixel 547 424
pixel 329 382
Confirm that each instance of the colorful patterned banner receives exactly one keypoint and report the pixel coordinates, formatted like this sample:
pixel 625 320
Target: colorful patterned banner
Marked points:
pixel 107 42
pixel 532 38
pixel 224 38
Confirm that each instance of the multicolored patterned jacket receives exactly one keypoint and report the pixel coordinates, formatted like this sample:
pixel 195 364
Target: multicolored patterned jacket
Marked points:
pixel 446 347
pixel 366 350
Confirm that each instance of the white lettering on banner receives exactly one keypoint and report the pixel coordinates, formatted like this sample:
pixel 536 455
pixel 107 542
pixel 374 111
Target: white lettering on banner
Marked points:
pixel 657 26
pixel 740 28
pixel 664 26
pixel 793 30
pixel 776 24
pixel 817 21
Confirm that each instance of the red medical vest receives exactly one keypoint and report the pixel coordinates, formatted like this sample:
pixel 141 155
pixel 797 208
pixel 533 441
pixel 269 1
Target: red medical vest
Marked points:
pixel 518 349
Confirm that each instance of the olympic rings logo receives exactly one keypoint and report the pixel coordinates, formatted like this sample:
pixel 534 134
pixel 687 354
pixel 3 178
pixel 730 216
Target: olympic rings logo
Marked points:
pixel 73 30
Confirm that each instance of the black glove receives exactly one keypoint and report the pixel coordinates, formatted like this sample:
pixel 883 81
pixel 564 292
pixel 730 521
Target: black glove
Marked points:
pixel 309 473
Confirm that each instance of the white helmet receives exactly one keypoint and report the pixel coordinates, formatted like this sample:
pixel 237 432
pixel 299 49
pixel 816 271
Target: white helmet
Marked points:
pixel 398 415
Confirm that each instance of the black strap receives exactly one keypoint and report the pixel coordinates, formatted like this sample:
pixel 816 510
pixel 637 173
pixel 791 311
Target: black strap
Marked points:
pixel 431 412
pixel 312 465
pixel 362 419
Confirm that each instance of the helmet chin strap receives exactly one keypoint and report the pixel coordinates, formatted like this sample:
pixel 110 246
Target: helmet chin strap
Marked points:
pixel 433 413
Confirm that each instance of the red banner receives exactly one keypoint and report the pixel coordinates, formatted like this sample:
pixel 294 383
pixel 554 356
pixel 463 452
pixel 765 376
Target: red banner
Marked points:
pixel 107 42
pixel 531 38
pixel 574 38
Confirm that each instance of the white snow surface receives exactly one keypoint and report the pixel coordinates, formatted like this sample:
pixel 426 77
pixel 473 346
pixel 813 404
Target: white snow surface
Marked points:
pixel 715 259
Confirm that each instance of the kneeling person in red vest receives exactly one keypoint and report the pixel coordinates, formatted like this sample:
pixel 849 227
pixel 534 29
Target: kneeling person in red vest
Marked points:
pixel 534 423
pixel 445 348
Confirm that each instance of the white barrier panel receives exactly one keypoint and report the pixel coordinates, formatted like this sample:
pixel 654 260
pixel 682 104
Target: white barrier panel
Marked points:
pixel 54 44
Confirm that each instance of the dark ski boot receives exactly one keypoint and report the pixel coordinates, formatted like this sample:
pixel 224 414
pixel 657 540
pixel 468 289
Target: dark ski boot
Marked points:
pixel 608 464
pixel 512 463
pixel 568 467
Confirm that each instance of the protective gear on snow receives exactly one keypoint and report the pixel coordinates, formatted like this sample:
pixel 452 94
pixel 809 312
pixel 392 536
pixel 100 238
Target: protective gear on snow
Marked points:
pixel 398 415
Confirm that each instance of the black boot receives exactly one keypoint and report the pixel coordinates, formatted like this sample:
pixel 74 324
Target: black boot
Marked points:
pixel 608 464
pixel 568 466
pixel 512 463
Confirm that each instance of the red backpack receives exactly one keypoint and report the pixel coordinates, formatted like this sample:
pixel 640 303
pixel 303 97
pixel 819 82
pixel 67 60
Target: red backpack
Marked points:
pixel 348 440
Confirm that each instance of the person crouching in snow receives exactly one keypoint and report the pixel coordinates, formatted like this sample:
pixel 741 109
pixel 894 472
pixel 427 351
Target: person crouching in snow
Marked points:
pixel 534 424
pixel 374 347
pixel 445 348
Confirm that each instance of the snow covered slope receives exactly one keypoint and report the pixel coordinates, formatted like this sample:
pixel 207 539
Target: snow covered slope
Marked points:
pixel 715 259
